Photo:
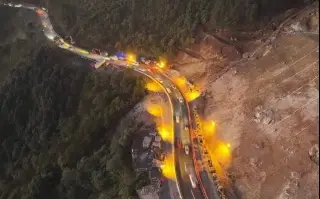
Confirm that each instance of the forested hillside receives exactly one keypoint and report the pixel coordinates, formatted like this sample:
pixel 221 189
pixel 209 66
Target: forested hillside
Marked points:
pixel 18 38
pixel 58 126
pixel 58 120
pixel 152 27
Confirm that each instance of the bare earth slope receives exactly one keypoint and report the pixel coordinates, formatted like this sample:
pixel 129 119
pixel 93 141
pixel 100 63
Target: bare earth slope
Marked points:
pixel 268 109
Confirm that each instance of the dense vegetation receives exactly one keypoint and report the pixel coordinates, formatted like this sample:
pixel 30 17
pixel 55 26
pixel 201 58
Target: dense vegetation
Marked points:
pixel 18 39
pixel 152 27
pixel 58 135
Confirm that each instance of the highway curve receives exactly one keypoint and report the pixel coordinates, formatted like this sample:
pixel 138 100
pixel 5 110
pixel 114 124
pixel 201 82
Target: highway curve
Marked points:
pixel 178 107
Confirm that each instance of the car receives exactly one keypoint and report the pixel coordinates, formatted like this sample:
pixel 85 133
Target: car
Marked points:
pixel 50 36
pixel 94 51
pixel 18 6
pixel 179 145
pixel 115 58
pixel 105 54
pixel 186 149
pixel 40 12
pixel 120 55
pixel 180 100
pixel 153 70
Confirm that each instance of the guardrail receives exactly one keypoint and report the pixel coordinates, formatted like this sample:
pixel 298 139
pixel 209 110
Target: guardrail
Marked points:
pixel 202 187
pixel 204 191
pixel 205 154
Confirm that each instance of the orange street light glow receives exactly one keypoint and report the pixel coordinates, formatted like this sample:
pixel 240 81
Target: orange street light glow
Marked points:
pixel 194 94
pixel 209 128
pixel 222 154
pixel 220 171
pixel 154 109
pixel 153 86
pixel 131 58
pixel 180 81
pixel 162 64
pixel 165 133
pixel 168 167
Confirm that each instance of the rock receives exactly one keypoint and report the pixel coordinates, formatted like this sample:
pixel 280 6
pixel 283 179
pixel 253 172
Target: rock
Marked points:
pixel 235 71
pixel 245 55
pixel 295 176
pixel 267 119
pixel 267 50
pixel 291 188
pixel 314 153
pixel 263 116
pixel 296 27
pixel 257 115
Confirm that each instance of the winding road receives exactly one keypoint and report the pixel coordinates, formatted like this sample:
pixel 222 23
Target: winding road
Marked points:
pixel 179 107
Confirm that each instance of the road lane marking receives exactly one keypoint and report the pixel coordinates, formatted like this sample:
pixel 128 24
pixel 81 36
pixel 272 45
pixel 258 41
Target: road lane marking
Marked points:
pixel 192 194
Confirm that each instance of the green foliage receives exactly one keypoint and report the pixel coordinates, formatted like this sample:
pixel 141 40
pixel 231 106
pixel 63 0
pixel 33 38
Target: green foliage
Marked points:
pixel 58 130
pixel 154 27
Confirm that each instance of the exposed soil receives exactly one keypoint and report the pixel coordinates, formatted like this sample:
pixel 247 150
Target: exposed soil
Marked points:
pixel 267 108
pixel 269 146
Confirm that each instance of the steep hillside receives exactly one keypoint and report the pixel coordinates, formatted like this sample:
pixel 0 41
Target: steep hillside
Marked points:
pixel 19 38
pixel 58 125
pixel 154 27
pixel 59 119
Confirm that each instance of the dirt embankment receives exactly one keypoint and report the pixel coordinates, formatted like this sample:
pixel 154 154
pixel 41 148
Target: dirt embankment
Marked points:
pixel 266 107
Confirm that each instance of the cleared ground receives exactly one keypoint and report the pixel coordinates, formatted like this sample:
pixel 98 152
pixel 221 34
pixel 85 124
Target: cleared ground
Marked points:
pixel 268 109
